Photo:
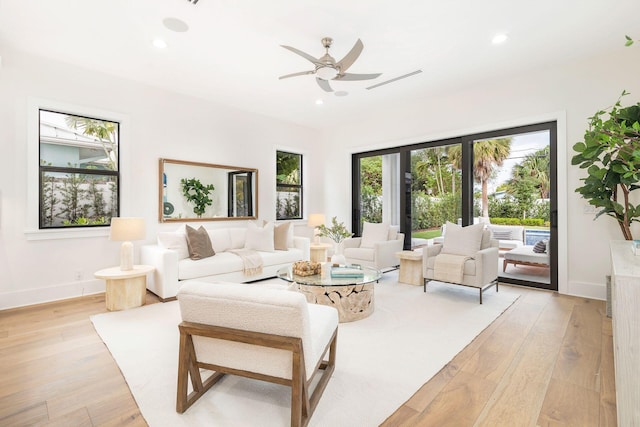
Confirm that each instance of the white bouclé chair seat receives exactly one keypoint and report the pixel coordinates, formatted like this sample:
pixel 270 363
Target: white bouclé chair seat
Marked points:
pixel 255 308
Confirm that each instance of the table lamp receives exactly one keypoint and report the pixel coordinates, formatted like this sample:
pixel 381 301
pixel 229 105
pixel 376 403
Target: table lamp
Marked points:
pixel 316 220
pixel 125 229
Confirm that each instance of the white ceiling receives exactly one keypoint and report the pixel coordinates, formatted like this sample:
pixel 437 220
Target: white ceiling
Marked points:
pixel 231 53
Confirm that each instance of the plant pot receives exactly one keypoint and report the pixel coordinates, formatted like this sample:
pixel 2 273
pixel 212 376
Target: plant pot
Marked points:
pixel 338 254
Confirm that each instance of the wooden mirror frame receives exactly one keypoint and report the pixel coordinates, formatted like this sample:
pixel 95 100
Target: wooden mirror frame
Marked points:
pixel 230 182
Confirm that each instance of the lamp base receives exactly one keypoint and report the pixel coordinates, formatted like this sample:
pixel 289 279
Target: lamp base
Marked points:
pixel 126 256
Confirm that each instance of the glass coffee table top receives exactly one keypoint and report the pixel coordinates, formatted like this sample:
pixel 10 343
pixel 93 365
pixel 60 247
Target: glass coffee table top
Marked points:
pixel 368 275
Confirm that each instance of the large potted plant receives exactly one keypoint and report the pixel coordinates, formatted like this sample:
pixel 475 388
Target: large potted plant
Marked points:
pixel 610 153
pixel 197 193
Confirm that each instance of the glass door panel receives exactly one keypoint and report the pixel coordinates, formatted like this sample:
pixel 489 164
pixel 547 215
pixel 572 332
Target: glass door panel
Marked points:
pixel 436 192
pixel 512 193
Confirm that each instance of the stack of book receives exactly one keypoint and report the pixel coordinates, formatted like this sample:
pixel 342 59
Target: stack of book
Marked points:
pixel 346 272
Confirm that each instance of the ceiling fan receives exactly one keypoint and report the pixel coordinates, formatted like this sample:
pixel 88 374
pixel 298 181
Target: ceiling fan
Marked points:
pixel 326 68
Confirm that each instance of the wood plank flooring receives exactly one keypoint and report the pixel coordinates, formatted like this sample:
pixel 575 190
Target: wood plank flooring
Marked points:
pixel 547 361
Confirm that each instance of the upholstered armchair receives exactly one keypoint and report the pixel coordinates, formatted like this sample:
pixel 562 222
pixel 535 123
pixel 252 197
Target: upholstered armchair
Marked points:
pixel 468 257
pixel 376 248
pixel 257 332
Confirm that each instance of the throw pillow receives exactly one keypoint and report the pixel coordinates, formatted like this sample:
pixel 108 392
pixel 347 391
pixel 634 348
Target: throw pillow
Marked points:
pixel 540 247
pixel 259 238
pixel 220 239
pixel 282 238
pixel 501 234
pixel 199 243
pixel 462 240
pixel 373 233
pixel 175 241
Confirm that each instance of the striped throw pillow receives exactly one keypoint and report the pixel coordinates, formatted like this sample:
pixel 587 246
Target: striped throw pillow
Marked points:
pixel 540 247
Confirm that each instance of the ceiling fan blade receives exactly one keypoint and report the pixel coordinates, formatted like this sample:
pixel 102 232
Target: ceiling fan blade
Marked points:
pixel 301 73
pixel 354 77
pixel 306 56
pixel 324 84
pixel 350 57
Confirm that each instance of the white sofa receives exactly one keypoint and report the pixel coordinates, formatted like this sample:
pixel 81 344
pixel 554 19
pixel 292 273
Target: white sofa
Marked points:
pixel 508 236
pixel 170 257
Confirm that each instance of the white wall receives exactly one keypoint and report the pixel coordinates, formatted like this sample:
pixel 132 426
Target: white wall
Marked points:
pixel 570 93
pixel 160 125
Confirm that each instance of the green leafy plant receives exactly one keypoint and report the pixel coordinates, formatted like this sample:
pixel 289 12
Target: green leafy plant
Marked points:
pixel 337 232
pixel 197 193
pixel 629 41
pixel 611 155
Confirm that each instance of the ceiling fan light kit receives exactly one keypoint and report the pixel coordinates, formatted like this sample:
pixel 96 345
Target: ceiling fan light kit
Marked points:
pixel 326 67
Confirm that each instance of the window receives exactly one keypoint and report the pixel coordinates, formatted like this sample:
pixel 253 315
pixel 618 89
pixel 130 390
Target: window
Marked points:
pixel 288 185
pixel 78 171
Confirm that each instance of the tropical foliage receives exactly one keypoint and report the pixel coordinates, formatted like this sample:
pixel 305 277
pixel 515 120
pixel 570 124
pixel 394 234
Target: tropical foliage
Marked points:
pixel 610 153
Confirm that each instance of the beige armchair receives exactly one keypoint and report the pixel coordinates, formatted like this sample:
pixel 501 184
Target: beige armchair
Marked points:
pixel 468 257
pixel 256 332
pixel 376 248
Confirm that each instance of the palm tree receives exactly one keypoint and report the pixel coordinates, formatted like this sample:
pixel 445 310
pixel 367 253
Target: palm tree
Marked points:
pixel 104 131
pixel 536 166
pixel 487 154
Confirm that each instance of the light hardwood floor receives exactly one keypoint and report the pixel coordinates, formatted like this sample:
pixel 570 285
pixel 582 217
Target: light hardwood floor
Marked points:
pixel 548 361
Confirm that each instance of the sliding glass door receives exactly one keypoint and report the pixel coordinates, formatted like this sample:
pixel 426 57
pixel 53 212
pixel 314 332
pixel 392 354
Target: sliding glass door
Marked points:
pixel 505 179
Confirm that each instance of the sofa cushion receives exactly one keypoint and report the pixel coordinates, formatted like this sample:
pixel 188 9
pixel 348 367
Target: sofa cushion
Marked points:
pixel 462 240
pixel 259 238
pixel 283 236
pixel 199 243
pixel 220 239
pixel 238 236
pixel 175 241
pixel 373 233
pixel 366 254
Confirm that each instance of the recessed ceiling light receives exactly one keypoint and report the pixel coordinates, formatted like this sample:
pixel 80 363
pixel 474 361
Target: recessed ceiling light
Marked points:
pixel 175 24
pixel 319 102
pixel 159 43
pixel 499 38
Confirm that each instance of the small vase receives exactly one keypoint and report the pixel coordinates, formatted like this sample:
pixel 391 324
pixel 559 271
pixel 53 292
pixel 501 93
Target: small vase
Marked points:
pixel 338 257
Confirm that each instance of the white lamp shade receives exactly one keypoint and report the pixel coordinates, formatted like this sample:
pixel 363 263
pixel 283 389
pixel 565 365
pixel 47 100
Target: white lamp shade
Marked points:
pixel 127 228
pixel 316 220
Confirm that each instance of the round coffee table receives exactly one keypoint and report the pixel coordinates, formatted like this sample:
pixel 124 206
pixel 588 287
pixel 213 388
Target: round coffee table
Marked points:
pixel 351 296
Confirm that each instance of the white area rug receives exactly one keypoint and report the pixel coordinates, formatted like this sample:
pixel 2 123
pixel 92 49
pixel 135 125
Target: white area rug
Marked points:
pixel 381 360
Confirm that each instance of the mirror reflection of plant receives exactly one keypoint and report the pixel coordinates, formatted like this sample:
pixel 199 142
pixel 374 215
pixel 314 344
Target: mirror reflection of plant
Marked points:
pixel 197 193
pixel 337 232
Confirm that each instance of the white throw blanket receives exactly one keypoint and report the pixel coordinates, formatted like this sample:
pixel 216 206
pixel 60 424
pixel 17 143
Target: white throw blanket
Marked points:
pixel 251 260
pixel 449 268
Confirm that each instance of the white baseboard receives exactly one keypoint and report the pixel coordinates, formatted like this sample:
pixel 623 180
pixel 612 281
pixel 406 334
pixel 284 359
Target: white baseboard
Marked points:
pixel 51 293
pixel 588 290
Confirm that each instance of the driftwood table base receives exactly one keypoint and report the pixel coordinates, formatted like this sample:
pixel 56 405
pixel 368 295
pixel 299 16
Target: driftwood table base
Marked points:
pixel 353 302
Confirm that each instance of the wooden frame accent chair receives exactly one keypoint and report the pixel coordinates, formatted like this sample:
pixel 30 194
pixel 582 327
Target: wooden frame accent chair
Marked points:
pixel 257 332
pixel 473 248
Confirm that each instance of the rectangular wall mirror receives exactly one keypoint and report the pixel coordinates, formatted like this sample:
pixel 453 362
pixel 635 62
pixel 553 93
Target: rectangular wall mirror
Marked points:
pixel 192 191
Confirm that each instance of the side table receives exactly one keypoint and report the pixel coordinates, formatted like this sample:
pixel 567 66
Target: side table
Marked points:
pixel 125 289
pixel 318 252
pixel 410 267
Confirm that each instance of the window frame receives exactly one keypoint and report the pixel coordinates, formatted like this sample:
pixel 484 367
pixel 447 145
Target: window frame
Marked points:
pixel 42 169
pixel 32 229
pixel 299 187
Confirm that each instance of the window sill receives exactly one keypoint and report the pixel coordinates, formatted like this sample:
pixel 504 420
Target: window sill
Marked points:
pixel 63 233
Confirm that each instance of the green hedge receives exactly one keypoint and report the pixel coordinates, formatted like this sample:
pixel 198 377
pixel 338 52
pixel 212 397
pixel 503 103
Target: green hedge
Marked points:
pixel 538 222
